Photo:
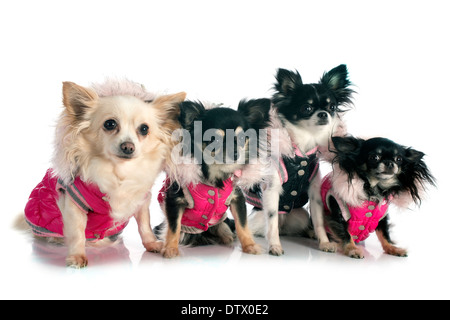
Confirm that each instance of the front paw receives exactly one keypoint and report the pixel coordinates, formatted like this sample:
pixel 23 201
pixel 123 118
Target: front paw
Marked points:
pixel 395 251
pixel 252 249
pixel 328 246
pixel 154 246
pixel 353 252
pixel 170 252
pixel 276 250
pixel 77 261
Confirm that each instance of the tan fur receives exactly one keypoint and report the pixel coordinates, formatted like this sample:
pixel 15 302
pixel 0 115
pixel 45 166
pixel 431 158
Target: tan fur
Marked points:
pixel 350 249
pixel 389 248
pixel 170 249
pixel 84 148
pixel 244 233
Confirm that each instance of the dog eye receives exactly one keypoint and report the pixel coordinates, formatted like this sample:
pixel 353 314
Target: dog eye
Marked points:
pixel 110 124
pixel 307 109
pixel 143 129
pixel 398 159
pixel 333 108
pixel 374 158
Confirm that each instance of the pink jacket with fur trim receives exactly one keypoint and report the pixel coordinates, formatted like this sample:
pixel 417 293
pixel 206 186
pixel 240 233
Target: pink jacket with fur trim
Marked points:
pixel 361 220
pixel 43 215
pixel 208 208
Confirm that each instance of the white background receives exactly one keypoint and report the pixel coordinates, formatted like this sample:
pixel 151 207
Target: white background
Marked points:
pixel 397 55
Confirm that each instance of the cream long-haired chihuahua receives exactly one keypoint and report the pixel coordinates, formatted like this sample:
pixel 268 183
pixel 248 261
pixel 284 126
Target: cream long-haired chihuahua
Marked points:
pixel 111 143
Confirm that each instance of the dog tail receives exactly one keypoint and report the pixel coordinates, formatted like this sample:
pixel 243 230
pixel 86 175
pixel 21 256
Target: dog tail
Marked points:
pixel 20 224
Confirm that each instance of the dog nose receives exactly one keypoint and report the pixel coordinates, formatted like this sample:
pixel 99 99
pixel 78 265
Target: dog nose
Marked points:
pixel 389 164
pixel 127 147
pixel 322 115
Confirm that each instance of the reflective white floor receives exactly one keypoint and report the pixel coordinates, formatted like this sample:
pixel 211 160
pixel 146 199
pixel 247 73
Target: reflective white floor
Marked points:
pixel 34 269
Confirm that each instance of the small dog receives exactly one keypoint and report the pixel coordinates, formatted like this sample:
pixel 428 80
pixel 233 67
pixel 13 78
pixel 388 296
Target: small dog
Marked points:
pixel 369 175
pixel 110 144
pixel 210 174
pixel 305 117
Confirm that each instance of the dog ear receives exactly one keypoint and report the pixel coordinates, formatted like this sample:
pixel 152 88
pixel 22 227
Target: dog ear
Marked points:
pixel 337 81
pixel 189 112
pixel 256 112
pixel 413 155
pixel 169 105
pixel 415 174
pixel 78 99
pixel 287 81
pixel 346 145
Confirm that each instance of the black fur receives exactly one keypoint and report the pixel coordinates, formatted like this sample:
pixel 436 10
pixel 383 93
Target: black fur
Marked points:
pixel 251 114
pixel 387 169
pixel 383 226
pixel 336 222
pixel 238 203
pixel 360 157
pixel 297 101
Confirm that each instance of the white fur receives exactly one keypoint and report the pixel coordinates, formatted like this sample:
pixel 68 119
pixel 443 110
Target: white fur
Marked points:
pixel 306 136
pixel 84 148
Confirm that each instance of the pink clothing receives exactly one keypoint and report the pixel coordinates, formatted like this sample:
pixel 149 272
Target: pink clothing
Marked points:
pixel 361 220
pixel 209 205
pixel 43 215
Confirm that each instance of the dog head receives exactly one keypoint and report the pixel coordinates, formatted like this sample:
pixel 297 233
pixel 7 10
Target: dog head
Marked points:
pixel 114 129
pixel 223 140
pixel 386 167
pixel 312 108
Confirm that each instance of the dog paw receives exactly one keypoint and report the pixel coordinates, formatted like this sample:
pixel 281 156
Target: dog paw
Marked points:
pixel 170 252
pixel 276 250
pixel 77 261
pixel 227 240
pixel 252 249
pixel 154 246
pixel 354 252
pixel 395 251
pixel 328 246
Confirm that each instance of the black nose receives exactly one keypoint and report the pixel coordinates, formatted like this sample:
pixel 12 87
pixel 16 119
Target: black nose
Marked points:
pixel 322 115
pixel 127 147
pixel 389 164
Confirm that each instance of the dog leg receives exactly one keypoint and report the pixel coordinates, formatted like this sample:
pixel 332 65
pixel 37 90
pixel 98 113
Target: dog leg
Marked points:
pixel 317 216
pixel 382 232
pixel 257 222
pixel 74 232
pixel 296 223
pixel 225 234
pixel 339 228
pixel 170 249
pixel 271 198
pixel 149 240
pixel 239 211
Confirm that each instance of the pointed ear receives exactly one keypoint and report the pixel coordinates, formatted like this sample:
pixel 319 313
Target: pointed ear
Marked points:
pixel 337 81
pixel 78 99
pixel 256 112
pixel 169 105
pixel 189 112
pixel 413 155
pixel 346 145
pixel 287 81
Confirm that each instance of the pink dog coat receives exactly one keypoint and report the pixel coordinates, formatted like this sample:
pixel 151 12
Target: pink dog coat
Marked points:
pixel 43 215
pixel 361 220
pixel 209 205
